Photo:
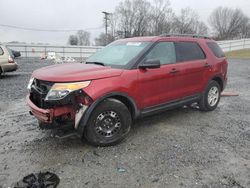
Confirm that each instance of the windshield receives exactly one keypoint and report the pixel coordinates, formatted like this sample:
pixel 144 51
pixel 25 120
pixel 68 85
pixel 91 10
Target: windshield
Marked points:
pixel 118 54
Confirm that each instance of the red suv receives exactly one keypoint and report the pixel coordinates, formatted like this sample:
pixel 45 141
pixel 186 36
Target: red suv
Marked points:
pixel 128 79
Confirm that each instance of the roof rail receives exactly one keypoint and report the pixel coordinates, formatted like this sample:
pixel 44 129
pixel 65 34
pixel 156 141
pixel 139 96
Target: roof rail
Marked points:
pixel 184 35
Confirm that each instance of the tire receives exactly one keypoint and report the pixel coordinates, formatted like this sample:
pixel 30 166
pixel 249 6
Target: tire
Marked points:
pixel 108 124
pixel 211 97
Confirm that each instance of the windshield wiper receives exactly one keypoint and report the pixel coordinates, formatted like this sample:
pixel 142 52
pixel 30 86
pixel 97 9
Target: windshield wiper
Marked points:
pixel 95 62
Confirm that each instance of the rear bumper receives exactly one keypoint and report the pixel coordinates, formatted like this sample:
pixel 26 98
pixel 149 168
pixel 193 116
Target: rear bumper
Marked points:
pixel 49 115
pixel 9 67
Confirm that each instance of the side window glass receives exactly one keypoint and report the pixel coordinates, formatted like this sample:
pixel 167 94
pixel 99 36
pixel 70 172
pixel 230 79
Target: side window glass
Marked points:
pixel 163 51
pixel 188 51
pixel 1 51
pixel 216 49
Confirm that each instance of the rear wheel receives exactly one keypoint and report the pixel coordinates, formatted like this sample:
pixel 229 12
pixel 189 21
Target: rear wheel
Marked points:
pixel 109 123
pixel 211 97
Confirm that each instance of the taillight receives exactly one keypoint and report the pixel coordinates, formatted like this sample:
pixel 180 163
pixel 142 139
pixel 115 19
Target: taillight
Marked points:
pixel 10 60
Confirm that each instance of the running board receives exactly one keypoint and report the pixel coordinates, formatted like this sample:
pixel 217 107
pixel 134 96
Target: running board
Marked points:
pixel 170 105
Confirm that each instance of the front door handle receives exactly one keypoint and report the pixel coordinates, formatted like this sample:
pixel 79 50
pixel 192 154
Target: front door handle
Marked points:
pixel 174 70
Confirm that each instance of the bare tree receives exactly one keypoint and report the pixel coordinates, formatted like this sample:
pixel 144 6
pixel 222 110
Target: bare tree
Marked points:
pixel 83 38
pixel 125 16
pixel 188 22
pixel 161 17
pixel 200 28
pixel 245 31
pixel 142 10
pixel 140 17
pixel 133 17
pixel 228 23
pixel 73 40
pixel 104 39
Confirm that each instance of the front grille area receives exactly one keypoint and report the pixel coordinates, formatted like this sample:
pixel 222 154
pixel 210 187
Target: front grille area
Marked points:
pixel 39 90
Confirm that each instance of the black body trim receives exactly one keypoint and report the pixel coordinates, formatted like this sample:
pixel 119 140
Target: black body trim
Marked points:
pixel 136 112
pixel 170 105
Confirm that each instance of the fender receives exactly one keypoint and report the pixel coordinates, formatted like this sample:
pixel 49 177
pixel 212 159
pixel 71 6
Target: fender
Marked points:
pixel 221 81
pixel 219 78
pixel 84 120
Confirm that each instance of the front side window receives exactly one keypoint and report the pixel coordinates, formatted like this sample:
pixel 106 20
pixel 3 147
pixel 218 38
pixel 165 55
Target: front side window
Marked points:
pixel 188 51
pixel 163 51
pixel 118 54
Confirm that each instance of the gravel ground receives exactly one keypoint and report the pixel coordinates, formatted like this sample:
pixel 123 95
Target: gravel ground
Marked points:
pixel 179 148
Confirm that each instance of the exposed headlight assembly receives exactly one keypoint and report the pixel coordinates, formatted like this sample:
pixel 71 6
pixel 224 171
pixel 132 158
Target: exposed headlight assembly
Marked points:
pixel 61 90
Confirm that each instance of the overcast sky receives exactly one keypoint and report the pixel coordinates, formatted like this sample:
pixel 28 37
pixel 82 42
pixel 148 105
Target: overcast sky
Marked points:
pixel 79 14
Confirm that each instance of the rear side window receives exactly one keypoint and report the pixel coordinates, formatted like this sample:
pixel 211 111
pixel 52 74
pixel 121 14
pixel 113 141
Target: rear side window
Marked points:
pixel 188 51
pixel 163 51
pixel 1 51
pixel 10 52
pixel 217 51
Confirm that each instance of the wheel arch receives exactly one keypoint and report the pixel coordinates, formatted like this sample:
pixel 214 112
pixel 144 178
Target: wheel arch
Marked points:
pixel 122 97
pixel 219 80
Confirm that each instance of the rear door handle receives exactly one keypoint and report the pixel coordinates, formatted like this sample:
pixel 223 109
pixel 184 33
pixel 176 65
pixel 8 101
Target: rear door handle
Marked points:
pixel 207 65
pixel 174 70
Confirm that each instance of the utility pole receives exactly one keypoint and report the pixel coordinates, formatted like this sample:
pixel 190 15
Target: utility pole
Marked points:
pixel 106 14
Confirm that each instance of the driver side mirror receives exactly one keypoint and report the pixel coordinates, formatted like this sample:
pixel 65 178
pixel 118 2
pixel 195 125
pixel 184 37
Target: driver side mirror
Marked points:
pixel 150 64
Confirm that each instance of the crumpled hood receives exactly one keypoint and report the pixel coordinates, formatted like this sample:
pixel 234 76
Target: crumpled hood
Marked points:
pixel 72 72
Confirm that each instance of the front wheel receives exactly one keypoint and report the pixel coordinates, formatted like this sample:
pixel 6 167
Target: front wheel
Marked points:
pixel 211 97
pixel 109 123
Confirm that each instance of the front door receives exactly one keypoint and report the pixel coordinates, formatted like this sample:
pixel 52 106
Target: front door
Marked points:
pixel 158 86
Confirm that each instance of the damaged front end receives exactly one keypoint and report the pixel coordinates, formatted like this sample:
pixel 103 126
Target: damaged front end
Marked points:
pixel 58 104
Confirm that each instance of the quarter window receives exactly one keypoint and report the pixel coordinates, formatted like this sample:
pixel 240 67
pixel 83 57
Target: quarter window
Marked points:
pixel 216 49
pixel 188 51
pixel 163 51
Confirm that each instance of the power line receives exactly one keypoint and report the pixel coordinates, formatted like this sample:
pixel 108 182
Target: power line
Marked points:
pixel 46 30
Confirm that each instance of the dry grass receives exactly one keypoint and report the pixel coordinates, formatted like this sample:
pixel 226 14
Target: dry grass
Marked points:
pixel 243 54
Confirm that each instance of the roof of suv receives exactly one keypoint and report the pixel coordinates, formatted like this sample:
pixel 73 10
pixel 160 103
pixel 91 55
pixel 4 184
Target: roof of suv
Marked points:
pixel 170 37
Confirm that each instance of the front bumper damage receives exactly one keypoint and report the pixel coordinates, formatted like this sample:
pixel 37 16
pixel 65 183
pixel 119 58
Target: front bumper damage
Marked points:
pixel 57 114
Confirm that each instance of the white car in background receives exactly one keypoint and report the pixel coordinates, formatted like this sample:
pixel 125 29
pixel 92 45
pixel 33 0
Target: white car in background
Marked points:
pixel 7 63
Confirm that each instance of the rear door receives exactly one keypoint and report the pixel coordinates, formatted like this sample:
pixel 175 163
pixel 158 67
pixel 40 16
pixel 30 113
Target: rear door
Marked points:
pixel 192 65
